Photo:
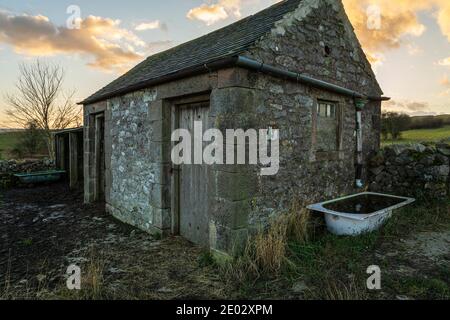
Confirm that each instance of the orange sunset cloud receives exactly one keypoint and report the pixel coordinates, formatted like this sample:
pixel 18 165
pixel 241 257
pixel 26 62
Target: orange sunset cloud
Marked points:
pixel 109 46
pixel 210 14
pixel 398 19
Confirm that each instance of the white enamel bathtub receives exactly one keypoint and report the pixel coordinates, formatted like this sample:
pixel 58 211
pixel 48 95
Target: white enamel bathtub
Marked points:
pixel 361 220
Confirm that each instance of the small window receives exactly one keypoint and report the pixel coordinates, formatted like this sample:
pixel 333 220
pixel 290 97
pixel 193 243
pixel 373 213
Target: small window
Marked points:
pixel 327 110
pixel 327 126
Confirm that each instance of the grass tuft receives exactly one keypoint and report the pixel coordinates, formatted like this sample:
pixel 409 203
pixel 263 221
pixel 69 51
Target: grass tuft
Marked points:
pixel 267 253
pixel 338 290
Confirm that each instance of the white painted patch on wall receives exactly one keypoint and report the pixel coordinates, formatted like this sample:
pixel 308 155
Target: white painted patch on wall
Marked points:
pixel 150 95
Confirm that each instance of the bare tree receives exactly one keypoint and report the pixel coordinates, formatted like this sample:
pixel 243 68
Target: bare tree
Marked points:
pixel 40 99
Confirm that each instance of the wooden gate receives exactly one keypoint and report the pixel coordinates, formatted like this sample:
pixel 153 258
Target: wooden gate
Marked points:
pixel 193 180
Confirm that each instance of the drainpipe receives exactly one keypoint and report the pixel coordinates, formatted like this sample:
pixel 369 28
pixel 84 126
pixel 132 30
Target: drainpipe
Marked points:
pixel 359 104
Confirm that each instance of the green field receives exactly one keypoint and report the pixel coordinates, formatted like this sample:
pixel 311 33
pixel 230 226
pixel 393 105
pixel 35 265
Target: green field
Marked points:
pixel 8 141
pixel 428 135
pixel 11 140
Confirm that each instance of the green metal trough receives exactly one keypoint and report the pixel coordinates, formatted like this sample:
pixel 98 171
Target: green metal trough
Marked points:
pixel 40 177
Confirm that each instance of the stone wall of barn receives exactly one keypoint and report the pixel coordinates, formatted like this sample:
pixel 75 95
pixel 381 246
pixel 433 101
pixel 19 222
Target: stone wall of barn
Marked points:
pixel 316 40
pixel 240 199
pixel 243 201
pixel 134 175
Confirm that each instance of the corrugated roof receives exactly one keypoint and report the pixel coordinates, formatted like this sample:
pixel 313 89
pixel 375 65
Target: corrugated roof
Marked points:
pixel 226 42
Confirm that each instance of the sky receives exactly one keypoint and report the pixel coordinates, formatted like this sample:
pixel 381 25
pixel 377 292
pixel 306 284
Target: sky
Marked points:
pixel 407 42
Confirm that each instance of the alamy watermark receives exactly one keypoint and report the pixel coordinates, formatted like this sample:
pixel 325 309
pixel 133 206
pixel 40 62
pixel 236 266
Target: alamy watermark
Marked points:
pixel 239 145
pixel 74 20
pixel 373 13
pixel 74 277
pixel 374 281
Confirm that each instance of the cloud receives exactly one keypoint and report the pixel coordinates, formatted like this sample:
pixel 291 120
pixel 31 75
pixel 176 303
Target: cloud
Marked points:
pixel 444 62
pixel 397 19
pixel 406 106
pixel 417 106
pixel 211 14
pixel 444 19
pixel 108 46
pixel 208 14
pixel 414 49
pixel 152 25
pixel 399 23
pixel 445 82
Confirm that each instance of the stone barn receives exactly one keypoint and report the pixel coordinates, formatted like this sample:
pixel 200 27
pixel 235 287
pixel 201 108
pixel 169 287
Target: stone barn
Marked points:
pixel 296 67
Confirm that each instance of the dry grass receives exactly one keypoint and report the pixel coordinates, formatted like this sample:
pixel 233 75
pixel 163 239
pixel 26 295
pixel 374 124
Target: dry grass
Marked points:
pixel 25 290
pixel 337 290
pixel 243 269
pixel 266 253
pixel 299 224
pixel 92 280
pixel 270 248
pixel 5 290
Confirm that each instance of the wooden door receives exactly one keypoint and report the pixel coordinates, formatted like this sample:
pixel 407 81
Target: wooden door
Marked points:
pixel 193 181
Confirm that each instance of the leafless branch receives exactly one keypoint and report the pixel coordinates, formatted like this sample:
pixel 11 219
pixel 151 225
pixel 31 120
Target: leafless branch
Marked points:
pixel 40 99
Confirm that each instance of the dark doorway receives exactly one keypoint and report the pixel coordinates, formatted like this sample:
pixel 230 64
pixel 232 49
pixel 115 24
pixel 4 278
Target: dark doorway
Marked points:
pixel 99 157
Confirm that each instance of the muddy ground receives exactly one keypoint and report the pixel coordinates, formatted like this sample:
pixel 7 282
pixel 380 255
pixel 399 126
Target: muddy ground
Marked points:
pixel 45 229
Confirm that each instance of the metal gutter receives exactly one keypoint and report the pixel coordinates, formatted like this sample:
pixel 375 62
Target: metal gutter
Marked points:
pixel 278 72
pixel 238 61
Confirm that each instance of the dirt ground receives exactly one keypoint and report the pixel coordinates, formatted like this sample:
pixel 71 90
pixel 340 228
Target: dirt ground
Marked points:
pixel 416 267
pixel 45 229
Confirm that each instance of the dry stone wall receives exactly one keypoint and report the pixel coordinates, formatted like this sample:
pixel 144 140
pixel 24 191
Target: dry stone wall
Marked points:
pixel 419 170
